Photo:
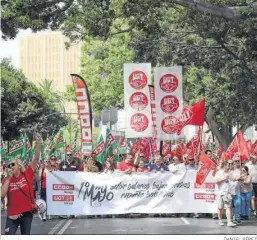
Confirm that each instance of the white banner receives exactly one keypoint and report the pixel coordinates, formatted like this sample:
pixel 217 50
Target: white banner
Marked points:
pixel 169 99
pixel 82 193
pixel 138 120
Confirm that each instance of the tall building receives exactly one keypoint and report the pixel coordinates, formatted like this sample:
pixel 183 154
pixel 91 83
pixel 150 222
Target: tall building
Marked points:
pixel 44 56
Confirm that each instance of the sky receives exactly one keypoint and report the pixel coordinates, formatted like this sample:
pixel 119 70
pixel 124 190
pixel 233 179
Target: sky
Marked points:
pixel 10 48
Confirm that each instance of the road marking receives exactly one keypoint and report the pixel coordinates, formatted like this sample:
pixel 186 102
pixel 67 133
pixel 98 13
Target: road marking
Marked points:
pixel 64 228
pixel 185 221
pixel 55 228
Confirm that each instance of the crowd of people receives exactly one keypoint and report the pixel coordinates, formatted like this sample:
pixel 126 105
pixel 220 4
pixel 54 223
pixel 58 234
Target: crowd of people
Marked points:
pixel 236 183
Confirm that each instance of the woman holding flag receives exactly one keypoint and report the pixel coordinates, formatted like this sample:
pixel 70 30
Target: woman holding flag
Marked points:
pixel 18 187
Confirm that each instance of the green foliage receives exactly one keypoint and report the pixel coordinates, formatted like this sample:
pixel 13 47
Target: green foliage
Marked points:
pixel 101 67
pixel 24 108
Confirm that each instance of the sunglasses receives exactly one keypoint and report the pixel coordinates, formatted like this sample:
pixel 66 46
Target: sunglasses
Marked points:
pixel 68 155
pixel 11 165
pixel 237 161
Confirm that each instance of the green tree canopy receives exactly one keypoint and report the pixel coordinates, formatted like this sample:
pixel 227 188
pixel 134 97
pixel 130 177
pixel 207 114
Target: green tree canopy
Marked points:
pixel 24 108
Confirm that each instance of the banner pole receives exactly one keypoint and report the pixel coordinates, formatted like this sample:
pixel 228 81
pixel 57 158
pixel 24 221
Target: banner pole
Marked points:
pixel 161 145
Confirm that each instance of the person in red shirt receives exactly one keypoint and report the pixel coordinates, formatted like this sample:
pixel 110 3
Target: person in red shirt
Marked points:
pixel 127 165
pixel 18 187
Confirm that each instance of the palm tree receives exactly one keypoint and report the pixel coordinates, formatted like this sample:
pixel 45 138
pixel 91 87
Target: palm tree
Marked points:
pixel 52 96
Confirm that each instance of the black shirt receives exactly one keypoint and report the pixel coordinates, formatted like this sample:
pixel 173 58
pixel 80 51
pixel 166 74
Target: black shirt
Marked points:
pixel 66 166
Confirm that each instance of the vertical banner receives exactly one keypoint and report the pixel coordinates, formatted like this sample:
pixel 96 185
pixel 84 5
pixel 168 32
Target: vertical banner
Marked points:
pixel 138 120
pixel 169 100
pixel 85 113
pixel 153 111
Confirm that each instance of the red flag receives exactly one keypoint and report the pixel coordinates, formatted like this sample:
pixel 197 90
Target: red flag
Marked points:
pixel 179 150
pixel 249 143
pixel 192 115
pixel 137 146
pixel 147 148
pixel 166 149
pixel 254 148
pixel 193 144
pixel 205 166
pixel 240 146
pixel 244 150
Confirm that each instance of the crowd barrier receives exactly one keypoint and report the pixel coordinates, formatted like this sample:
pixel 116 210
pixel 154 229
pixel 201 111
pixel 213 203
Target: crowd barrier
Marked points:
pixel 83 193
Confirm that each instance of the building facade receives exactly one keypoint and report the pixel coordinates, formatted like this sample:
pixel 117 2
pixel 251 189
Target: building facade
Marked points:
pixel 44 56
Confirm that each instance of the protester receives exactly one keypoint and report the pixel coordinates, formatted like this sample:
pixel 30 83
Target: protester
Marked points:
pixel 99 165
pixel 91 166
pixel 246 189
pixel 54 163
pixel 223 195
pixel 158 165
pixel 109 167
pixel 42 178
pixel 19 190
pixel 252 166
pixel 235 177
pixel 177 166
pixel 191 166
pixel 126 166
pixel 141 167
pixel 69 164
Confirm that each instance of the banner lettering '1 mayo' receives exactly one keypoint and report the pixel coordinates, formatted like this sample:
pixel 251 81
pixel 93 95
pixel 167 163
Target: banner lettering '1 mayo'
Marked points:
pixel 138 121
pixel 85 113
pixel 169 100
pixel 83 193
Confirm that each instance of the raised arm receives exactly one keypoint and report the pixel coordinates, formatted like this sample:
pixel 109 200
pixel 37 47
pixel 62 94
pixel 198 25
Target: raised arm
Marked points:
pixel 35 161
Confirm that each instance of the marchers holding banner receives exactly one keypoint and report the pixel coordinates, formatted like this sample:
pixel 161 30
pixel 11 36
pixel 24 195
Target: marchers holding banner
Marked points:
pixel 85 113
pixel 138 120
pixel 83 193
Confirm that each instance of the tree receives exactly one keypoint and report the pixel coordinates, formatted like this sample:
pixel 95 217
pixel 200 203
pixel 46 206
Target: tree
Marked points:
pixel 52 97
pixel 101 67
pixel 24 108
pixel 51 14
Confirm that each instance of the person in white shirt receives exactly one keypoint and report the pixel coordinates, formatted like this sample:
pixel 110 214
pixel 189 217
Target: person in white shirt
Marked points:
pixel 235 177
pixel 177 166
pixel 223 196
pixel 252 166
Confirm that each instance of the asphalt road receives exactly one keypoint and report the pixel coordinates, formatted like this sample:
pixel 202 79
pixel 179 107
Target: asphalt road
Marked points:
pixel 149 225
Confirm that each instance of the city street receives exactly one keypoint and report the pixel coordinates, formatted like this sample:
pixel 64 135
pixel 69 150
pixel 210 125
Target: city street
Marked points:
pixel 82 225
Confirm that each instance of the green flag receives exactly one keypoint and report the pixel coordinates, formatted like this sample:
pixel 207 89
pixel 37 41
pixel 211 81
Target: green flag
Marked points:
pixel 60 141
pixel 112 148
pixel 25 147
pixel 17 149
pixel 100 149
pixel 3 148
